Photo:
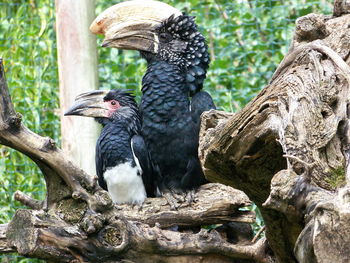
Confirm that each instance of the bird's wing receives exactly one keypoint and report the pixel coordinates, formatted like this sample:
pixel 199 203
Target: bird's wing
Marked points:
pixel 149 173
pixel 201 101
pixel 194 176
pixel 100 167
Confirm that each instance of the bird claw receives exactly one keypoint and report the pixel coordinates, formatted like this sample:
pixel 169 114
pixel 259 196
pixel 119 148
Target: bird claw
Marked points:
pixel 175 200
pixel 172 200
pixel 190 197
pixel 179 198
pixel 118 207
pixel 140 206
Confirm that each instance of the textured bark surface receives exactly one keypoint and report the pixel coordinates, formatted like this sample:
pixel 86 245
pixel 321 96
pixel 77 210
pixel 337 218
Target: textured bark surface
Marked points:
pixel 214 204
pixel 4 246
pixel 60 241
pixel 288 149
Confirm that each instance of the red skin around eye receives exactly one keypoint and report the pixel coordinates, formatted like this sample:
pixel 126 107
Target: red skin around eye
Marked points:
pixel 112 106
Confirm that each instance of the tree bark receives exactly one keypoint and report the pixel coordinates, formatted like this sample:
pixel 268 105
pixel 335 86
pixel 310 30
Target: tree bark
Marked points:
pixel 287 150
pixel 77 64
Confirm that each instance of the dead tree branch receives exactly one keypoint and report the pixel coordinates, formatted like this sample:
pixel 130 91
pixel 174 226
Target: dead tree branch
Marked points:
pixel 28 201
pixel 4 246
pixel 288 149
pixel 215 204
pixel 77 221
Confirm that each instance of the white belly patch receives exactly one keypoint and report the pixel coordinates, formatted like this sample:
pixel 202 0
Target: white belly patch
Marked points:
pixel 124 184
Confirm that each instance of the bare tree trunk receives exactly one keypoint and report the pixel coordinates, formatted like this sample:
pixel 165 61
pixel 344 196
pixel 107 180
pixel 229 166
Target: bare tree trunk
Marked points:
pixel 77 64
pixel 288 150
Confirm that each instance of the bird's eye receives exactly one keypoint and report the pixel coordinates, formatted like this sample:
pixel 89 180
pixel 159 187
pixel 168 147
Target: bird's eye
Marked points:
pixel 114 104
pixel 165 37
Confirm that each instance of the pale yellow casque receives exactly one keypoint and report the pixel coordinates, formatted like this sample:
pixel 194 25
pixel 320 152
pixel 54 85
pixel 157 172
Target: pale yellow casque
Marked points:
pixel 130 24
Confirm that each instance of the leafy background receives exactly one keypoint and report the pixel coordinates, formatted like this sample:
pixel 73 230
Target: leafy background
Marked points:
pixel 247 40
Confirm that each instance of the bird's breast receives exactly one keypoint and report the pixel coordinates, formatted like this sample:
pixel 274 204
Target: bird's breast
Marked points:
pixel 125 184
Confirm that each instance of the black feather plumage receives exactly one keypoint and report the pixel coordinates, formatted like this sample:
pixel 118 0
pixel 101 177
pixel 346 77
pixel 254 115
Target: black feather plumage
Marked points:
pixel 123 164
pixel 120 140
pixel 170 122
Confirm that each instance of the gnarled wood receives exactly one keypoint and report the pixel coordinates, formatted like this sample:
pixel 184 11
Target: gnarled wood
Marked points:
pixel 341 7
pixel 214 204
pixel 123 239
pixel 77 221
pixel 4 245
pixel 288 149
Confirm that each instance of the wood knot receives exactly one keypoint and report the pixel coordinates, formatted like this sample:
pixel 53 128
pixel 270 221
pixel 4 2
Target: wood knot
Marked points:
pixel 102 201
pixel 341 7
pixel 92 222
pixel 77 195
pixel 71 210
pixel 15 121
pixel 49 145
pixel 113 236
pixel 310 27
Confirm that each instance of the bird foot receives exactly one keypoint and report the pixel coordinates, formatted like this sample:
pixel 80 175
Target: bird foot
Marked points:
pixel 140 208
pixel 190 197
pixel 139 205
pixel 173 200
pixel 118 207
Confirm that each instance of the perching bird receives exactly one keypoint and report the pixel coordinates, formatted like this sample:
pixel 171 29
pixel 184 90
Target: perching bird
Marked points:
pixel 178 60
pixel 122 162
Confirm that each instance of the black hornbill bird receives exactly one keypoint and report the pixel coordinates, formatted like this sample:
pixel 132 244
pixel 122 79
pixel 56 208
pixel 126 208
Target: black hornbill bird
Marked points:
pixel 122 162
pixel 177 57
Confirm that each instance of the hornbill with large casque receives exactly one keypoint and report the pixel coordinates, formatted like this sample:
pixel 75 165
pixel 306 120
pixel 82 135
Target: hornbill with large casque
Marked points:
pixel 177 57
pixel 123 166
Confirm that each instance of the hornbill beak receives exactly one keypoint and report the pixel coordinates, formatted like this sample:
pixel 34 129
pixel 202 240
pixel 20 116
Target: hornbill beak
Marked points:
pixel 89 104
pixel 132 24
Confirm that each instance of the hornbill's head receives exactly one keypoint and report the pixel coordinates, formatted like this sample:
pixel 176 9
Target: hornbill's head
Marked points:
pixel 105 105
pixel 159 32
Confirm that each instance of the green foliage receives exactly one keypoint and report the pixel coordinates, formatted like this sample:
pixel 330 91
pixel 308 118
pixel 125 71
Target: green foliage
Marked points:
pixel 259 222
pixel 27 45
pixel 336 178
pixel 247 40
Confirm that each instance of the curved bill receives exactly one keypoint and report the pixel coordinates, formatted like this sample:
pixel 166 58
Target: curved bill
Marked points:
pixel 133 24
pixel 89 104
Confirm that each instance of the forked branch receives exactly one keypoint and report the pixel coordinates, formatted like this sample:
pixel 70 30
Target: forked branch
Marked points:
pixel 77 221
